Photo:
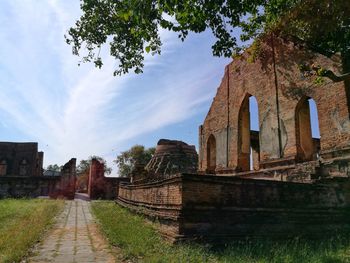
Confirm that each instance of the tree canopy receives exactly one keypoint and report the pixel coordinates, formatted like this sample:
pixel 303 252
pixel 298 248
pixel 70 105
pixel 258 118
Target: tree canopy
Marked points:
pixel 83 170
pixel 132 27
pixel 54 167
pixel 84 165
pixel 127 160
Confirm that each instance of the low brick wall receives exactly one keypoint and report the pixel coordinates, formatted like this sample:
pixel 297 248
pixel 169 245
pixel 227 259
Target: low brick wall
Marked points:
pixel 220 208
pixel 23 186
pixel 160 200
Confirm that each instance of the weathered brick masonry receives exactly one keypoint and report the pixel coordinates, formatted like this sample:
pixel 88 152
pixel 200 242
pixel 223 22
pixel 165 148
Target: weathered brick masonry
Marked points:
pixel 62 186
pixel 20 159
pixel 28 186
pixel 220 208
pixel 277 181
pixel 100 186
pixel 66 184
pixel 284 124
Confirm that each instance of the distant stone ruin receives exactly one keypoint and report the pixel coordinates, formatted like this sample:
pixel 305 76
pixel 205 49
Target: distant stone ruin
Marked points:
pixel 171 157
pixel 20 159
pixel 21 173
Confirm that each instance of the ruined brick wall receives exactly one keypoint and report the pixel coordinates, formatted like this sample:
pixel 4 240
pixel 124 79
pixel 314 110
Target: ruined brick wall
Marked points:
pixel 25 186
pixel 20 159
pixel 220 208
pixel 95 182
pixel 33 186
pixel 161 200
pixel 166 193
pixel 66 187
pixel 235 208
pixel 276 70
pixel 100 186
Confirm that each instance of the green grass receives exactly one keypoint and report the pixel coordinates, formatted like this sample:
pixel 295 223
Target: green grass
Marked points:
pixel 139 242
pixel 22 223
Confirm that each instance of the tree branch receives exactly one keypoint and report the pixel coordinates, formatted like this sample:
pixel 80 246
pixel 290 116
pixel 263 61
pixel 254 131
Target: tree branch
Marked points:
pixel 330 74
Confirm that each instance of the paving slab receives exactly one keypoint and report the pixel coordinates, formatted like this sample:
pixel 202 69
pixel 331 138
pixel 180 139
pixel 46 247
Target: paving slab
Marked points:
pixel 74 238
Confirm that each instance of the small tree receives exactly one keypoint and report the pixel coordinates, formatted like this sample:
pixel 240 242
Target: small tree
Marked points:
pixel 84 165
pixel 127 160
pixel 54 167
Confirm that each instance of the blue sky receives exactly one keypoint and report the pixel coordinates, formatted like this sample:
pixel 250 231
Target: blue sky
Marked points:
pixel 76 111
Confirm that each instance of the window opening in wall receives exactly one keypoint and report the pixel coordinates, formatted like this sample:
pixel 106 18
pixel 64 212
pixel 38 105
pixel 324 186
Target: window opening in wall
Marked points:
pixel 249 146
pixel 211 154
pixel 315 130
pixel 254 114
pixel 23 167
pixel 307 130
pixel 3 167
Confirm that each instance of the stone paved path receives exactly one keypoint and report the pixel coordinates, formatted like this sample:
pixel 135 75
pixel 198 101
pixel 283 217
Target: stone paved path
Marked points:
pixel 74 238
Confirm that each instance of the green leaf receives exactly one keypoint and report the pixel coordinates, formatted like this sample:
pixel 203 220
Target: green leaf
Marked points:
pixel 130 25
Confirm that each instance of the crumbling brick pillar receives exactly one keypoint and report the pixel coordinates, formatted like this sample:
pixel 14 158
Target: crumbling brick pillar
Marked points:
pixel 96 182
pixel 66 188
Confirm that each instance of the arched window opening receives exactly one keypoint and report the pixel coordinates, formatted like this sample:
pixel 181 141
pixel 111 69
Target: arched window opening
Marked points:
pixel 315 130
pixel 249 145
pixel 23 167
pixel 211 154
pixel 307 130
pixel 3 167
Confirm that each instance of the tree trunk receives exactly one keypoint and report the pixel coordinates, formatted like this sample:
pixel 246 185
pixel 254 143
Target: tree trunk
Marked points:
pixel 346 69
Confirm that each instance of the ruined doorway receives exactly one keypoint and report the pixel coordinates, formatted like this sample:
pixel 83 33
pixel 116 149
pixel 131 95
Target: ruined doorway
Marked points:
pixel 23 167
pixel 211 154
pixel 307 130
pixel 248 135
pixel 3 167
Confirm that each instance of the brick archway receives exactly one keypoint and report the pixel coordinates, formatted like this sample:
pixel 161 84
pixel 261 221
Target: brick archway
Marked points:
pixel 248 139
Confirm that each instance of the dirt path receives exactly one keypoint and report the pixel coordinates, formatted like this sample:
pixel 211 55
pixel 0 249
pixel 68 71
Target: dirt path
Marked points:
pixel 74 238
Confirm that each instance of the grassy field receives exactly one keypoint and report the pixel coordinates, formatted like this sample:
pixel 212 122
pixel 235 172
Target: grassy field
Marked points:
pixel 139 242
pixel 22 222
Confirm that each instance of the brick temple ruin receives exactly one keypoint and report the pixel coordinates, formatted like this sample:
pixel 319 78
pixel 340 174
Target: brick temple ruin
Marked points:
pixel 22 159
pixel 21 173
pixel 274 181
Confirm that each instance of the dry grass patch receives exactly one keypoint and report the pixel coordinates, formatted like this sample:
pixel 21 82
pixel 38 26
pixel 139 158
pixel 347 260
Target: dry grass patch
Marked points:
pixel 23 221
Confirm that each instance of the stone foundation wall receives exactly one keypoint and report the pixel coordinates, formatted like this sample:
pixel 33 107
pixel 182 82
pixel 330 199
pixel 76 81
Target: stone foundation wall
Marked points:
pixel 219 208
pixel 34 186
pixel 165 194
pixel 158 200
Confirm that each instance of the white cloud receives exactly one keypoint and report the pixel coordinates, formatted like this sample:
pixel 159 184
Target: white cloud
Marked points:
pixel 80 111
